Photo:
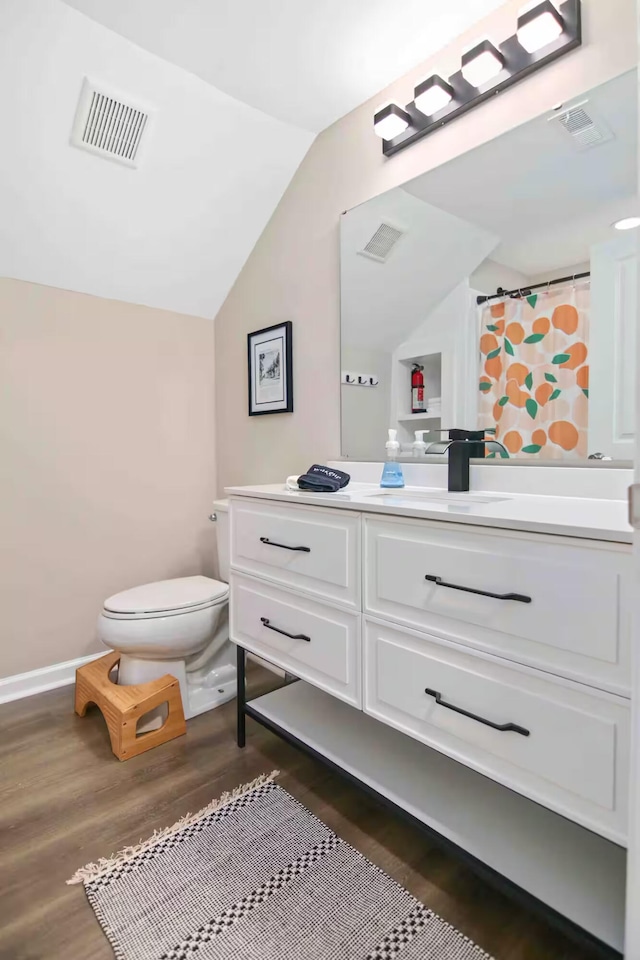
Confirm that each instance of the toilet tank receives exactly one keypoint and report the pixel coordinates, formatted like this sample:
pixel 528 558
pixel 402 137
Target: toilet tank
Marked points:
pixel 221 510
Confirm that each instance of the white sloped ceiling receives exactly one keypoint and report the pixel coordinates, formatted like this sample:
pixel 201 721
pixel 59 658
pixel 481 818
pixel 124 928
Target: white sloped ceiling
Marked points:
pixel 304 61
pixel 173 233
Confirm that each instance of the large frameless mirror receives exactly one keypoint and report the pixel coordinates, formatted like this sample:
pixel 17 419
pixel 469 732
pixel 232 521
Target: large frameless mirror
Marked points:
pixel 494 293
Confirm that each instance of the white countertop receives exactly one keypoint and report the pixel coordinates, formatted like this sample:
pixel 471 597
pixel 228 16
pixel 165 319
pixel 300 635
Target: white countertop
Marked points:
pixel 566 516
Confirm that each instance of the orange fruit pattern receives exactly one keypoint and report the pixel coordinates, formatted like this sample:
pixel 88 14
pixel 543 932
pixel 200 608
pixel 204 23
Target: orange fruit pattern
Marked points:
pixel 535 394
pixel 564 434
pixel 543 392
pixel 577 353
pixel 582 378
pixel 488 343
pixel 565 318
pixel 517 372
pixel 517 396
pixel 541 325
pixel 515 333
pixel 513 441
pixel 493 368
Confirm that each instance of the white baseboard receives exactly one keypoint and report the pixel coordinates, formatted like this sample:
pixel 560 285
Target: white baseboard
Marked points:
pixel 63 675
pixel 46 678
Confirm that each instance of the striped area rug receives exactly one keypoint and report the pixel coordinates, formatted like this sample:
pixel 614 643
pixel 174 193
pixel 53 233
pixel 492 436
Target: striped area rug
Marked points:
pixel 256 876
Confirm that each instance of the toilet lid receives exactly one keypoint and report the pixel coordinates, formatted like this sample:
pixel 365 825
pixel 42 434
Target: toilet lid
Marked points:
pixel 179 594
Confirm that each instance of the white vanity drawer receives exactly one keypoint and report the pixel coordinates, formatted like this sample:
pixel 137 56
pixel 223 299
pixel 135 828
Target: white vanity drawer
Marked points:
pixel 314 549
pixel 574 758
pixel 316 642
pixel 576 623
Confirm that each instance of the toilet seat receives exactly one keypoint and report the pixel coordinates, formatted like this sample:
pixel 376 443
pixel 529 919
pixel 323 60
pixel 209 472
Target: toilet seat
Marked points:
pixel 166 598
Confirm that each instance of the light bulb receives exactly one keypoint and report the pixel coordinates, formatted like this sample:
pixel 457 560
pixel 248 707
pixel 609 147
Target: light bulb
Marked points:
pixel 481 64
pixel 628 223
pixel 432 95
pixel 539 26
pixel 390 122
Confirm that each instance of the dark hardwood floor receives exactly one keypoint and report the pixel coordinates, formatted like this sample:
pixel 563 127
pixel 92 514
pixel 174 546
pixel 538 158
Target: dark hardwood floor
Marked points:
pixel 65 800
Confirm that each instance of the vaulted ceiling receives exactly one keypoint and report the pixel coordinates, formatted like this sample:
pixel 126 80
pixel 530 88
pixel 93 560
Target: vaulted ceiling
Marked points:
pixel 172 233
pixel 307 62
pixel 237 90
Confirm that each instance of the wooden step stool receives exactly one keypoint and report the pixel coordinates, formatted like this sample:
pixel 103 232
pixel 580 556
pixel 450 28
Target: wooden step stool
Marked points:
pixel 122 706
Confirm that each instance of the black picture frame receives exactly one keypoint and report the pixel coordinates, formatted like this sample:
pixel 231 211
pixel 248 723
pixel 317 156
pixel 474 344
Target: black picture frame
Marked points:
pixel 270 371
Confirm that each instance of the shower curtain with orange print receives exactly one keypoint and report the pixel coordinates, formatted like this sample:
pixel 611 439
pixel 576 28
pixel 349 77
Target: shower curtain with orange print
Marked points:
pixel 534 375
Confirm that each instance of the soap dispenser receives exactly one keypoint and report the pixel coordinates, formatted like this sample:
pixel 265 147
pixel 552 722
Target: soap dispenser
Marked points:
pixel 419 447
pixel 392 471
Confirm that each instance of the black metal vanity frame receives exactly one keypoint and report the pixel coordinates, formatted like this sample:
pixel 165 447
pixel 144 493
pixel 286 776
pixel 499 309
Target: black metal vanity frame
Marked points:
pixel 516 893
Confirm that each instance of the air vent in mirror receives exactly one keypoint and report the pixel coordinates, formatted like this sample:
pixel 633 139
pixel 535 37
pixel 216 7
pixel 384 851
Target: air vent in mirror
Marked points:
pixel 381 243
pixel 583 126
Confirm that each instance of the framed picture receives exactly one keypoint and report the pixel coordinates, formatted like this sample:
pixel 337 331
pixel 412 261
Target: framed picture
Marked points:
pixel 270 370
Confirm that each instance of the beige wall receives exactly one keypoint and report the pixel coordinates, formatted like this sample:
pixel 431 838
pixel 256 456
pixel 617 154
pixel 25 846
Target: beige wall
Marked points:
pixel 106 461
pixel 293 272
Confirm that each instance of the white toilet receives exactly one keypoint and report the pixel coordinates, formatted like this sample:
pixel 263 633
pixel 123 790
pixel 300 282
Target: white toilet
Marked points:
pixel 179 627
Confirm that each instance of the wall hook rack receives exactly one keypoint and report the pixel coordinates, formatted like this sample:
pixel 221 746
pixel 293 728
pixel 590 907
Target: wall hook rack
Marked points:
pixel 359 379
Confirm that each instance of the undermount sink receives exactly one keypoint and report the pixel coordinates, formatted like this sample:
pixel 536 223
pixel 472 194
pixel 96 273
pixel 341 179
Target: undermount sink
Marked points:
pixel 447 496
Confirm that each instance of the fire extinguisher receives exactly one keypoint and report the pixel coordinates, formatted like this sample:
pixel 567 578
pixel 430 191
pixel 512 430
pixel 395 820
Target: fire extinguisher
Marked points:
pixel 417 389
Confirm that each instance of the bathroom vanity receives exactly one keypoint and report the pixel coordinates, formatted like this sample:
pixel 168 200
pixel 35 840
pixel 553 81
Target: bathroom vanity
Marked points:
pixel 464 657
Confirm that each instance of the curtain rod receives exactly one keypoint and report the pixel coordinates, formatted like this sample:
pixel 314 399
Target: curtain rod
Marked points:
pixel 525 291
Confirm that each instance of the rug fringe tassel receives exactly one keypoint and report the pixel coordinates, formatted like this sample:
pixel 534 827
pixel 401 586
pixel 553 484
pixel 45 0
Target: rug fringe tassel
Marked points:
pixel 91 871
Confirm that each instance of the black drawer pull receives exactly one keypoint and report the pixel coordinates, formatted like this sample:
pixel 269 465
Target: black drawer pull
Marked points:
pixel 519 597
pixel 292 636
pixel 283 546
pixel 513 727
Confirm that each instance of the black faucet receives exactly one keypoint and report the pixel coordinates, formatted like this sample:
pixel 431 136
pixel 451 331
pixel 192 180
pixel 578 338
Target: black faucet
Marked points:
pixel 461 446
pixel 464 445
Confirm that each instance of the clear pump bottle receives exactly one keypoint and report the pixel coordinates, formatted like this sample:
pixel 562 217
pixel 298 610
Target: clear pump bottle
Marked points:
pixel 392 472
pixel 419 447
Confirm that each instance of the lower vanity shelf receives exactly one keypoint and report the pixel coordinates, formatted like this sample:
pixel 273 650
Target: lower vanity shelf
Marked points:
pixel 573 873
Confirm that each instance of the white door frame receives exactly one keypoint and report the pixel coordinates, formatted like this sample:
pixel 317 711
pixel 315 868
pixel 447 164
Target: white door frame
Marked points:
pixel 632 917
pixel 632 923
pixel 612 346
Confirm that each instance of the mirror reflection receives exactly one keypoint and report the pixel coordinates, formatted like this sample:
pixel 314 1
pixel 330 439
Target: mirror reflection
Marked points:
pixel 498 293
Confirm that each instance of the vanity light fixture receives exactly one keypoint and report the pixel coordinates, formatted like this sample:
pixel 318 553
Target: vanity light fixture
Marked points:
pixel 546 30
pixel 432 95
pixel 539 25
pixel 481 64
pixel 628 223
pixel 390 122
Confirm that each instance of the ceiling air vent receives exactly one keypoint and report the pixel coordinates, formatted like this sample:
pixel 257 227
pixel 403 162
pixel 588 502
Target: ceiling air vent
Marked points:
pixel 110 125
pixel 381 243
pixel 583 126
